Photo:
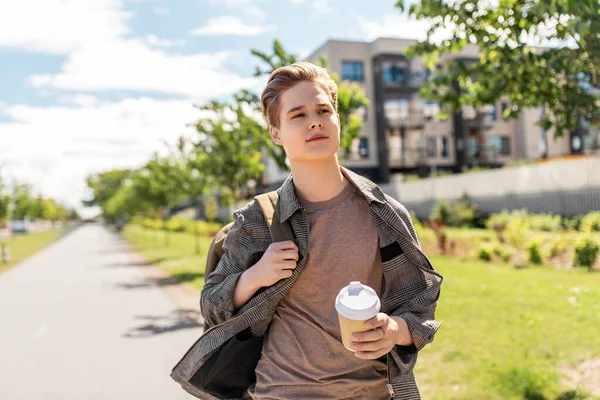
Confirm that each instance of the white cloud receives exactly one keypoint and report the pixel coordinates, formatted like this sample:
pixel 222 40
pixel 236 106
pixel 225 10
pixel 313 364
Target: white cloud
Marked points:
pixel 132 65
pixel 55 148
pixel 256 12
pixel 82 100
pixel 153 40
pixel 59 26
pixel 394 25
pixel 228 25
pixel 318 6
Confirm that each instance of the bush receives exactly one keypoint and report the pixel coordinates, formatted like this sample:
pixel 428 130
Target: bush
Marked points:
pixel 534 251
pixel 180 224
pixel 442 213
pixel 559 247
pixel 465 212
pixel 573 224
pixel 545 222
pixel 586 252
pixel 590 222
pixel 510 227
pixel 485 251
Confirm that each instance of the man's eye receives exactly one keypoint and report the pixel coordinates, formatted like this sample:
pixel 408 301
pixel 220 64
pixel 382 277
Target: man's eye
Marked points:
pixel 324 111
pixel 298 115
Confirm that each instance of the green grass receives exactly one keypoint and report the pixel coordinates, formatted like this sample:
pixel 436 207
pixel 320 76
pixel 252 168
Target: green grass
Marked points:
pixel 178 258
pixel 504 333
pixel 24 245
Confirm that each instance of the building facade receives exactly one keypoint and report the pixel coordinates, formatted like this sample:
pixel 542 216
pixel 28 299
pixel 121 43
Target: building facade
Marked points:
pixel 401 132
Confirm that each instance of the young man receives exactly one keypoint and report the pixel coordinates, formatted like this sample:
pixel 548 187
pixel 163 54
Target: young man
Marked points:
pixel 346 230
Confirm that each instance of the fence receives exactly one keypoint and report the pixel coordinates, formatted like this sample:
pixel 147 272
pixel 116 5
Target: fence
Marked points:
pixel 565 187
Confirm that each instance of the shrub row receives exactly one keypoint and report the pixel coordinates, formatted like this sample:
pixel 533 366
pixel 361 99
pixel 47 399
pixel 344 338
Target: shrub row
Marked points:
pixel 180 224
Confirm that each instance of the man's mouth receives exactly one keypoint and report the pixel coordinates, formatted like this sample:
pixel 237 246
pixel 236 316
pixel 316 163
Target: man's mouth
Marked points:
pixel 317 138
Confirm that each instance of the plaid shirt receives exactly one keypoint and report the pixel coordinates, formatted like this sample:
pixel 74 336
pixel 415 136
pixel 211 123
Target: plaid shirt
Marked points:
pixel 410 290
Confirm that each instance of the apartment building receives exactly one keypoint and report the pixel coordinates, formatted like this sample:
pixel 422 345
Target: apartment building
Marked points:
pixel 401 131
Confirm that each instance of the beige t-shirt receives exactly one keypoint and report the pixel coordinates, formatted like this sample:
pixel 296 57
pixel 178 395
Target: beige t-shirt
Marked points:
pixel 303 356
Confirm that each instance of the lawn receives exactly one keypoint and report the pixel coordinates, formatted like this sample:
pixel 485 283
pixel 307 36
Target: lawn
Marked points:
pixel 24 245
pixel 178 258
pixel 505 334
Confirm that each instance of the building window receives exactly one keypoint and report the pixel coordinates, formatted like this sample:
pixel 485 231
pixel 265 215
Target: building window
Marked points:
pixel 427 75
pixel 493 112
pixel 395 72
pixel 431 147
pixel 504 107
pixel 353 71
pixel 444 146
pixel 500 144
pixel 363 147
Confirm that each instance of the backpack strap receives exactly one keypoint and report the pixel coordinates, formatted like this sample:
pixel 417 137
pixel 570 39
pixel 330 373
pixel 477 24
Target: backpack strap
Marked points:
pixel 269 203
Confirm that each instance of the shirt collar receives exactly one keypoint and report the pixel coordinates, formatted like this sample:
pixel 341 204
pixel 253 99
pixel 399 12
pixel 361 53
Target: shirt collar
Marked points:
pixel 289 202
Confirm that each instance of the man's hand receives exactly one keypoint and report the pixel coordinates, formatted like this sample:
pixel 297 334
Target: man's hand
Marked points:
pixel 386 332
pixel 278 262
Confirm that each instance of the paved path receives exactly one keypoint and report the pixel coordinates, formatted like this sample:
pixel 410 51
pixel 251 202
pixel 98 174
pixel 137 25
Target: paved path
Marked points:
pixel 83 320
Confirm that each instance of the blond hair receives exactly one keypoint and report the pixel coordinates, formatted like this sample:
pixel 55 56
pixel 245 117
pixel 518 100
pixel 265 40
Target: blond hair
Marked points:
pixel 285 78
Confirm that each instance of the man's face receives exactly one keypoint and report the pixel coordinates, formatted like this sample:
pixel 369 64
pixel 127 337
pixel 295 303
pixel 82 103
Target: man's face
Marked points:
pixel 309 128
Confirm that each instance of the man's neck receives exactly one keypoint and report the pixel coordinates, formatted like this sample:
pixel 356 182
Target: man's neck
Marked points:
pixel 318 182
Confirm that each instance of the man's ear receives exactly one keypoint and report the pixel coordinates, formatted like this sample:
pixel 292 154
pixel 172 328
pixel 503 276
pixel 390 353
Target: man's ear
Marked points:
pixel 275 135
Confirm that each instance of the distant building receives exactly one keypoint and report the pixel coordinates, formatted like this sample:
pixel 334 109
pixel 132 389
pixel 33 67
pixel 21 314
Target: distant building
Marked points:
pixel 401 132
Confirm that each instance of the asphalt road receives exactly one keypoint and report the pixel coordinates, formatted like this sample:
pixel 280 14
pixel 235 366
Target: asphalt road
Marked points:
pixel 83 320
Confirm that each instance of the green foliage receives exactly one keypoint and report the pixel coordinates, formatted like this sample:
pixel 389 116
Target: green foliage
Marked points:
pixel 442 213
pixel 586 252
pixel 511 227
pixel 105 185
pixel 591 222
pixel 573 223
pixel 559 247
pixel 465 212
pixel 508 66
pixel 534 251
pixel 180 223
pixel 232 139
pixel 485 251
pixel 4 208
pixel 488 251
pixel 211 209
pixel 544 222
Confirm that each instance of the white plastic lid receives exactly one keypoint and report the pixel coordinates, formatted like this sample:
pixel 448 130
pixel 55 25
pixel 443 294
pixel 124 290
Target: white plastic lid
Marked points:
pixel 357 301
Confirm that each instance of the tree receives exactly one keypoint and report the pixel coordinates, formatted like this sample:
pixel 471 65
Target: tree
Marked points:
pixel 561 79
pixel 23 201
pixel 105 185
pixel 229 145
pixel 350 96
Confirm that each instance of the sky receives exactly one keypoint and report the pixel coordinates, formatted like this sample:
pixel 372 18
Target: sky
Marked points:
pixel 91 85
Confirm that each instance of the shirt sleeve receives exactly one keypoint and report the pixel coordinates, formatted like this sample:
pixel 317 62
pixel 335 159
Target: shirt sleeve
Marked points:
pixel 419 309
pixel 216 297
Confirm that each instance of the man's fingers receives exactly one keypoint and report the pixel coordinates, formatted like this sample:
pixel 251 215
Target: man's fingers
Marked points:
pixel 377 321
pixel 367 346
pixel 369 336
pixel 285 245
pixel 285 273
pixel 370 355
pixel 287 265
pixel 289 255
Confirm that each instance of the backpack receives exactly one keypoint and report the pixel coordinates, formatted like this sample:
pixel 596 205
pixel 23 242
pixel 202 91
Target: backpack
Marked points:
pixel 269 204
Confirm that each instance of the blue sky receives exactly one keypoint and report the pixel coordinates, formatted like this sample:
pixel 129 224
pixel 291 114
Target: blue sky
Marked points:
pixel 87 86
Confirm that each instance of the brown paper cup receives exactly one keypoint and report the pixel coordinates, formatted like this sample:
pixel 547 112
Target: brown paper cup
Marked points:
pixel 348 327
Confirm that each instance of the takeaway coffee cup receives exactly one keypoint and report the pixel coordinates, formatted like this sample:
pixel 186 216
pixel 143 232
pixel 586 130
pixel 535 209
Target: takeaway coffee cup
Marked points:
pixel 355 304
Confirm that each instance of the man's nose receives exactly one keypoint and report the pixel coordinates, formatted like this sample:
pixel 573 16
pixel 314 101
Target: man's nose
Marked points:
pixel 316 124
